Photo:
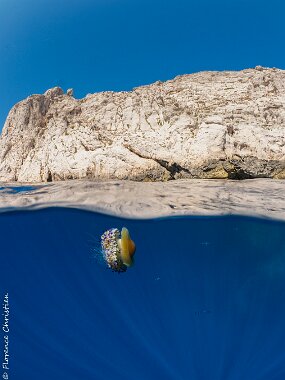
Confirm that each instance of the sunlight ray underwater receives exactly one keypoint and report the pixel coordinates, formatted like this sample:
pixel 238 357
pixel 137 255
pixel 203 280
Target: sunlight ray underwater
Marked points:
pixel 204 299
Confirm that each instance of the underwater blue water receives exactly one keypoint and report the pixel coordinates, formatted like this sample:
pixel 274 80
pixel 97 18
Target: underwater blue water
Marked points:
pixel 204 300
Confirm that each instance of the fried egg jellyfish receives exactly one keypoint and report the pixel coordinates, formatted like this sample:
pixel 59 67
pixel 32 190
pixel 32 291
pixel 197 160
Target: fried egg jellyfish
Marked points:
pixel 117 249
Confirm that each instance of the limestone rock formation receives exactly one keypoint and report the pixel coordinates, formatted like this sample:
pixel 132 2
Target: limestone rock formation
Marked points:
pixel 204 125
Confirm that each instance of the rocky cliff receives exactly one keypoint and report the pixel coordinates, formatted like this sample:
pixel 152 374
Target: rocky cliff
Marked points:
pixel 204 125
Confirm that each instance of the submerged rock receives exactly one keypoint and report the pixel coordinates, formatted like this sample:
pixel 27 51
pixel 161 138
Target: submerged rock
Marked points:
pixel 204 125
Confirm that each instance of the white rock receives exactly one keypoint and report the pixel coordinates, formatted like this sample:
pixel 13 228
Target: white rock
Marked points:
pixel 204 125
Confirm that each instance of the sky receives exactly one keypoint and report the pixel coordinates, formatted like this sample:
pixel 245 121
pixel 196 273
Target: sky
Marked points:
pixel 102 45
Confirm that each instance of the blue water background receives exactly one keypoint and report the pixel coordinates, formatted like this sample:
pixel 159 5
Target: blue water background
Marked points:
pixel 204 300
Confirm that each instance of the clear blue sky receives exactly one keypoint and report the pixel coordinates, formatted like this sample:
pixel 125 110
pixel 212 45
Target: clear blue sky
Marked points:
pixel 96 45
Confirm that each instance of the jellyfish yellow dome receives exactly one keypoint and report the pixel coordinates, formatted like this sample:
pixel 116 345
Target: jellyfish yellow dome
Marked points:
pixel 118 249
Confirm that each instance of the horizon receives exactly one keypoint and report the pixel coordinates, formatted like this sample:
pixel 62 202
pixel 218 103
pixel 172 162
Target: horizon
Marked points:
pixel 115 45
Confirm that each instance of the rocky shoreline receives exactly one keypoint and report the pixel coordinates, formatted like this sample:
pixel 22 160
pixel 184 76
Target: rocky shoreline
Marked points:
pixel 210 125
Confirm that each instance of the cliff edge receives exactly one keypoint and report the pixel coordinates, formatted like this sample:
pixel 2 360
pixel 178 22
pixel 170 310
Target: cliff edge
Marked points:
pixel 205 125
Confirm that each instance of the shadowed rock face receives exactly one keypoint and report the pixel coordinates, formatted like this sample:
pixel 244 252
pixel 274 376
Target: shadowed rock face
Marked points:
pixel 204 125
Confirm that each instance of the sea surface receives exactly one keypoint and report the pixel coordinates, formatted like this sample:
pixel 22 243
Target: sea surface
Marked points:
pixel 204 300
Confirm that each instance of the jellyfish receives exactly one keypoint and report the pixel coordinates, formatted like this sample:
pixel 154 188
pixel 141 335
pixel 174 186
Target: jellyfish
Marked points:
pixel 118 249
